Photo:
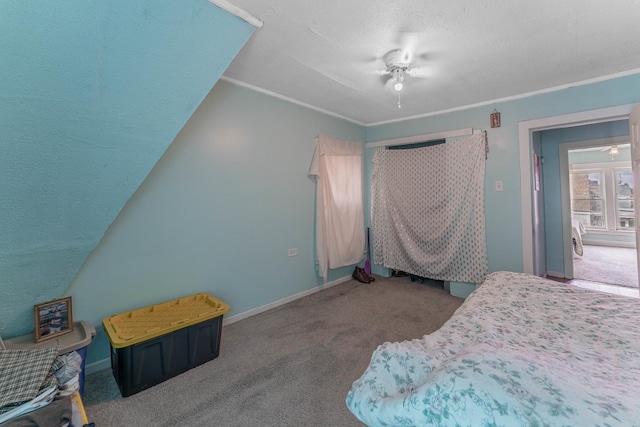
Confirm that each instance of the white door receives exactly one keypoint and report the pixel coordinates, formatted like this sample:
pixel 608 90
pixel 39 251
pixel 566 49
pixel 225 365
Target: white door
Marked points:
pixel 634 130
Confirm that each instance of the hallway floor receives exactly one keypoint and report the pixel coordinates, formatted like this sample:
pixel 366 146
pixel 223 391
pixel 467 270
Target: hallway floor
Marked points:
pixel 605 264
pixel 602 287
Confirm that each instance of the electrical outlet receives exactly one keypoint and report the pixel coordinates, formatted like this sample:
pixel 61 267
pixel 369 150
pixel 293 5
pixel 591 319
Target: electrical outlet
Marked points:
pixel 293 252
pixel 499 186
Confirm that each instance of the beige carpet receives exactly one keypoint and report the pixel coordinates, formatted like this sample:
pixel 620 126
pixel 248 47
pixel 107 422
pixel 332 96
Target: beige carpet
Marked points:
pixel 290 366
pixel 615 266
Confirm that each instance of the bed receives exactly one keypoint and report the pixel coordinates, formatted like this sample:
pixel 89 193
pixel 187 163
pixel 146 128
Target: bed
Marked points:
pixel 520 351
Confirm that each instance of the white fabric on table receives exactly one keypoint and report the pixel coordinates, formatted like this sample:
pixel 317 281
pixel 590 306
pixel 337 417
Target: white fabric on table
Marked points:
pixel 577 230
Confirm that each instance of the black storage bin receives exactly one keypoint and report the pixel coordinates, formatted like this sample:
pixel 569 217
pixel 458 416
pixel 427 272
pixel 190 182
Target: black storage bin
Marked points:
pixel 142 356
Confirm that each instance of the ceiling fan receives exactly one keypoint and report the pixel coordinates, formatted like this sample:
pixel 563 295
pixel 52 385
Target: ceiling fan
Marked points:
pixel 398 63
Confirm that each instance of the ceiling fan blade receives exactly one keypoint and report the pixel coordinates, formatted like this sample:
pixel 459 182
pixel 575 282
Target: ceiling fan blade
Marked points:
pixel 408 42
pixel 385 79
pixel 370 59
pixel 388 84
pixel 418 72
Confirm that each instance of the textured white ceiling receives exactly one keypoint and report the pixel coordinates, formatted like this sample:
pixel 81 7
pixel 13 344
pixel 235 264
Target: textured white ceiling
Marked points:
pixel 326 53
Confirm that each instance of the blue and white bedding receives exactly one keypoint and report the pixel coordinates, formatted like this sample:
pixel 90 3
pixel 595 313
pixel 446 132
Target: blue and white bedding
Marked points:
pixel 521 351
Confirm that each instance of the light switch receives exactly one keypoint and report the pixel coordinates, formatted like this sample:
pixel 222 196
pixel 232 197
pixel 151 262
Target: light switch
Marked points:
pixel 498 185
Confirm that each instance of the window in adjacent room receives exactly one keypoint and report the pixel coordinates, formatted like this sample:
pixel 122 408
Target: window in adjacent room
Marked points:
pixel 588 198
pixel 602 196
pixel 625 209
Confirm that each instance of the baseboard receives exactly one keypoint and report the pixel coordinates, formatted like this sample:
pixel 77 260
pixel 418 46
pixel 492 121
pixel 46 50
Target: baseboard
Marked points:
pixel 103 364
pixel 555 274
pixel 613 243
pixel 263 308
pixel 100 365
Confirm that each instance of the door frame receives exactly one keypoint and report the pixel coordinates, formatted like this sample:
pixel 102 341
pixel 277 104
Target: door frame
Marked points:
pixel 525 133
pixel 565 202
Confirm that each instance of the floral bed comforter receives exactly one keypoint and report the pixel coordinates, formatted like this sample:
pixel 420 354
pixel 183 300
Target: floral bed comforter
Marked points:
pixel 521 351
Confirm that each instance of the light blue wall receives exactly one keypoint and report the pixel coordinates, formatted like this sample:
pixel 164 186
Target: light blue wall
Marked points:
pixel 551 175
pixel 217 214
pixel 91 95
pixel 503 211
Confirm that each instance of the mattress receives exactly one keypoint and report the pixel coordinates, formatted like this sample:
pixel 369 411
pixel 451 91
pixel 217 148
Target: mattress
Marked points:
pixel 520 351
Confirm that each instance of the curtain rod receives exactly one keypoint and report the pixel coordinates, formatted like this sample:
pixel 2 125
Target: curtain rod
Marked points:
pixel 420 138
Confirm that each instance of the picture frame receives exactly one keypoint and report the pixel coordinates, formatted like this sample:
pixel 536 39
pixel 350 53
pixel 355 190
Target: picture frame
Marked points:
pixel 53 318
pixel 495 119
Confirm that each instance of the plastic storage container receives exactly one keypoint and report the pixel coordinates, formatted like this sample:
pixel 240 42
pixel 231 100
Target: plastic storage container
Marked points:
pixel 152 344
pixel 76 340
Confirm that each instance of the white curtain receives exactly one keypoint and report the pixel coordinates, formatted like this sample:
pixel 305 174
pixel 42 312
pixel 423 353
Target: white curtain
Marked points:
pixel 428 210
pixel 336 169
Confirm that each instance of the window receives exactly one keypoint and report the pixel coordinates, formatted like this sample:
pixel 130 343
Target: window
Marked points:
pixel 588 198
pixel 602 196
pixel 625 210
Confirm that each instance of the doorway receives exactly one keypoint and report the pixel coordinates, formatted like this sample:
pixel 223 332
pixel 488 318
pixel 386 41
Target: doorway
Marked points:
pixel 600 205
pixel 531 235
pixel 563 229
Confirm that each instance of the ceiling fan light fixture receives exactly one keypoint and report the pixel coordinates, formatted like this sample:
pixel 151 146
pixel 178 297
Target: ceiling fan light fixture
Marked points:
pixel 397 76
pixel 614 150
pixel 398 64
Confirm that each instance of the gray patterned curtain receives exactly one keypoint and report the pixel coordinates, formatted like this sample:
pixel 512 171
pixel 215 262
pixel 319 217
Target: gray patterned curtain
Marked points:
pixel 428 210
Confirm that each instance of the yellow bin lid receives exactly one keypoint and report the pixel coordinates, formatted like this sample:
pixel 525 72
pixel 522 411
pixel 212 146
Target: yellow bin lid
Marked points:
pixel 134 327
